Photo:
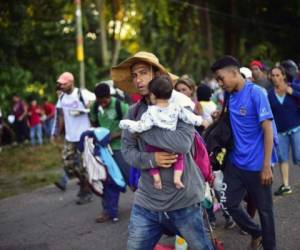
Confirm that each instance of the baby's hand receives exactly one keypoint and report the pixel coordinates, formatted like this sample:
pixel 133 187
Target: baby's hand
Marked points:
pixel 123 124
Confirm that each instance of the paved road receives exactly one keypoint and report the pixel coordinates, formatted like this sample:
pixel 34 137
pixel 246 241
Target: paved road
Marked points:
pixel 49 219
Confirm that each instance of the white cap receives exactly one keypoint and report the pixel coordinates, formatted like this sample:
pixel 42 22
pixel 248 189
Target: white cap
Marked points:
pixel 246 72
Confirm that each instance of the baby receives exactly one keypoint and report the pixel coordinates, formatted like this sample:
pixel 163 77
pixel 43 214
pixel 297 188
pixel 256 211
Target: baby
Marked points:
pixel 163 114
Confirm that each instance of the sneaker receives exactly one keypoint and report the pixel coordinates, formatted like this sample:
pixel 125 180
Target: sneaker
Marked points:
pixel 84 199
pixel 283 190
pixel 256 243
pixel 242 232
pixel 229 223
pixel 102 218
pixel 60 185
pixel 115 219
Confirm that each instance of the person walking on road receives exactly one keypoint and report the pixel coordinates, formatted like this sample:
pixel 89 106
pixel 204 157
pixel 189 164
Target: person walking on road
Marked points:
pixel 284 99
pixel 154 210
pixel 248 168
pixel 259 74
pixel 106 112
pixel 74 103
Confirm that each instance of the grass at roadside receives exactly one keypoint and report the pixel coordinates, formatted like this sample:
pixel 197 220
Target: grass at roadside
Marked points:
pixel 24 168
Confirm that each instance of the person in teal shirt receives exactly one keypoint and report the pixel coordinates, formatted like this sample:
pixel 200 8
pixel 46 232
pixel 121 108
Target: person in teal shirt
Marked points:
pixel 106 112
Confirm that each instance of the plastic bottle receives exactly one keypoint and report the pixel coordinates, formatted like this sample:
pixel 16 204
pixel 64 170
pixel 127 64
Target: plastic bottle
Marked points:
pixel 180 243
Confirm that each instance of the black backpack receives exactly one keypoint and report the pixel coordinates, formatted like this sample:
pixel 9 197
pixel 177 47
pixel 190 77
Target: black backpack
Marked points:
pixel 218 138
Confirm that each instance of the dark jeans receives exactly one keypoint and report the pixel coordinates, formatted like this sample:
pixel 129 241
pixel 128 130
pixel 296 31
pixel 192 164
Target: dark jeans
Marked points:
pixel 110 199
pixel 237 183
pixel 21 131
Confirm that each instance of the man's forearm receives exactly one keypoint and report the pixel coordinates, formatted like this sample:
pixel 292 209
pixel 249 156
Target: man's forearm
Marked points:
pixel 178 141
pixel 132 152
pixel 116 135
pixel 268 141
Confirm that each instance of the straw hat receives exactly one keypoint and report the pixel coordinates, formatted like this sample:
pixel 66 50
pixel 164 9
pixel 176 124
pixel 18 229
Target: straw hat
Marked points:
pixel 121 74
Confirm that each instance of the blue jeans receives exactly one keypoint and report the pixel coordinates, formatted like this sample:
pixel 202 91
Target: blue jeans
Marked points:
pixel 285 142
pixel 36 131
pixel 146 227
pixel 110 198
pixel 48 125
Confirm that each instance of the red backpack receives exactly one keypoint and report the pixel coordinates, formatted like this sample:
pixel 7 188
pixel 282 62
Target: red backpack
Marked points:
pixel 201 158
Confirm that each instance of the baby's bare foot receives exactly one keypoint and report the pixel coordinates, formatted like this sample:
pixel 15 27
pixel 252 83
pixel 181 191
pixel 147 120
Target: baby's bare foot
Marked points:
pixel 179 185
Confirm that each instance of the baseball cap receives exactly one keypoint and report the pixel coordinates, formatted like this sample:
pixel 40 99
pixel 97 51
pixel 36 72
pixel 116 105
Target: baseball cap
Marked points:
pixel 257 63
pixel 65 77
pixel 246 72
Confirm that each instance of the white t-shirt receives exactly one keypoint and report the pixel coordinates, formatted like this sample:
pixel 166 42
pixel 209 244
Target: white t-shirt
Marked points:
pixel 208 108
pixel 75 114
pixel 181 100
pixel 163 117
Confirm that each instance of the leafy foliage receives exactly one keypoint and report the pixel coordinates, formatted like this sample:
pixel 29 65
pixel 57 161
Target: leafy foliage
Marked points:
pixel 38 38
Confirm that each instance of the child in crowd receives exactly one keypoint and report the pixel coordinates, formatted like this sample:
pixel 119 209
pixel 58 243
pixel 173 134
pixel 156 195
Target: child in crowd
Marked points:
pixel 163 114
pixel 204 94
pixel 34 120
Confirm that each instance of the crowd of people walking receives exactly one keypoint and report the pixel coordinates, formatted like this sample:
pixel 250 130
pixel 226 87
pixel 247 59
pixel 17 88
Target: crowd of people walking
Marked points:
pixel 152 139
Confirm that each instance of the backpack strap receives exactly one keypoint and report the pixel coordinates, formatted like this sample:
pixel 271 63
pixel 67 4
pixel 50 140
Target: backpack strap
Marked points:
pixel 61 96
pixel 118 110
pixel 225 106
pixel 95 110
pixel 81 97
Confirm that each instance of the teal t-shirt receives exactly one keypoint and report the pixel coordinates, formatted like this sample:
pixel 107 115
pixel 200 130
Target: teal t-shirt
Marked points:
pixel 107 119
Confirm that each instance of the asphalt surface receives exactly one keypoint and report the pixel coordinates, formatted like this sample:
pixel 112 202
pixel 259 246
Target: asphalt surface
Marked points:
pixel 50 219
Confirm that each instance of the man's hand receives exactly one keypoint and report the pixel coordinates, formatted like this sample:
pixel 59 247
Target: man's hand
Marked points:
pixel 215 115
pixel 164 159
pixel 266 175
